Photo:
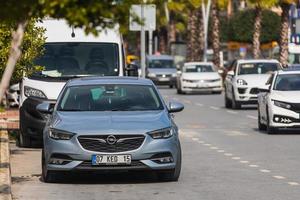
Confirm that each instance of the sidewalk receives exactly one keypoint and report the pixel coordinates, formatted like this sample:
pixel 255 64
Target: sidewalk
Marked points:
pixel 9 120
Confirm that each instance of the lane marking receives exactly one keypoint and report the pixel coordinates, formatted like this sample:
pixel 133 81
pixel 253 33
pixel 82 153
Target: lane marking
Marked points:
pixel 235 158
pixel 214 108
pixel 293 183
pixel 207 144
pixel 236 133
pixel 195 139
pixel 231 112
pixel 244 161
pixel 253 166
pixel 221 151
pixel 252 117
pixel 279 177
pixel 265 170
pixel 214 148
pixel 228 154
pixel 201 142
pixel 199 104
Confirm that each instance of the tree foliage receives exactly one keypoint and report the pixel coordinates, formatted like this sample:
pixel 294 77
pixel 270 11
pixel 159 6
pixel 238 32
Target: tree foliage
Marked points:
pixel 240 26
pixel 32 47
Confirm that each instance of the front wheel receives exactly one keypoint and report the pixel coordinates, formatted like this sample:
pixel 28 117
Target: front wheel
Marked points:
pixel 47 175
pixel 228 103
pixel 235 104
pixel 270 129
pixel 23 140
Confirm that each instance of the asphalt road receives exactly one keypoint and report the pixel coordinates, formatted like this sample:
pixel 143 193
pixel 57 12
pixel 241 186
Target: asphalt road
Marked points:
pixel 225 157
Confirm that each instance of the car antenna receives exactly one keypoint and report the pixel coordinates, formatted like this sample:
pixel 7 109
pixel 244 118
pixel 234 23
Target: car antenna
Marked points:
pixel 73 33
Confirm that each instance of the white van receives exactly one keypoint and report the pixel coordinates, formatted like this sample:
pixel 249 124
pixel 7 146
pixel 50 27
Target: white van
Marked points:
pixel 69 53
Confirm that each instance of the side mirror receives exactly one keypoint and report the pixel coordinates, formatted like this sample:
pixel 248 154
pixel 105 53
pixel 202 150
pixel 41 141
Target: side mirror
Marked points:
pixel 230 73
pixel 132 70
pixel 263 90
pixel 46 108
pixel 175 107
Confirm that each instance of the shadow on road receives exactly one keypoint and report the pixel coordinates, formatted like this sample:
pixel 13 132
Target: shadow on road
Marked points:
pixel 107 178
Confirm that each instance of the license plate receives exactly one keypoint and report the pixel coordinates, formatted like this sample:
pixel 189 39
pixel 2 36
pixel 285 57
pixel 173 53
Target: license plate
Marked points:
pixel 202 85
pixel 111 159
pixel 164 79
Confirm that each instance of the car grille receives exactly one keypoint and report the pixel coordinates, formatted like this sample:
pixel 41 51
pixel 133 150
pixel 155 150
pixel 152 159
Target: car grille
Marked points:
pixel 87 165
pixel 254 91
pixel 100 143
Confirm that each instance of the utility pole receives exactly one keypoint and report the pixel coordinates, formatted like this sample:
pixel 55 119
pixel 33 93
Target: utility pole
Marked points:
pixel 143 38
pixel 205 15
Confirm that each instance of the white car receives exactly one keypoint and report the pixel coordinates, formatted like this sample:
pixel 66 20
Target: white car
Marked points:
pixel 198 77
pixel 279 105
pixel 243 80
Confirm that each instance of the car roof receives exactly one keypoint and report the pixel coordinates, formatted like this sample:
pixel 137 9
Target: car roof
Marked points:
pixel 257 61
pixel 289 71
pixel 197 63
pixel 60 31
pixel 160 57
pixel 99 80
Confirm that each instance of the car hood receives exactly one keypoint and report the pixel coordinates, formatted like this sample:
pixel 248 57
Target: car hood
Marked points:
pixel 162 70
pixel 201 76
pixel 111 122
pixel 286 96
pixel 255 79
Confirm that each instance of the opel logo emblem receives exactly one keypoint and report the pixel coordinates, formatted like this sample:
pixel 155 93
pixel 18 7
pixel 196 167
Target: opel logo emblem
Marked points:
pixel 111 139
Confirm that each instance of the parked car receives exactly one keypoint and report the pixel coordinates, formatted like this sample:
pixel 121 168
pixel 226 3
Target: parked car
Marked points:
pixel 199 77
pixel 161 70
pixel 244 79
pixel 279 103
pixel 66 56
pixel 111 124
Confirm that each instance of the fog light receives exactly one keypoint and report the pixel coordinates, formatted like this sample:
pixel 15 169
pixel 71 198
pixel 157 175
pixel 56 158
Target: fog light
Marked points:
pixel 58 161
pixel 163 160
pixel 276 119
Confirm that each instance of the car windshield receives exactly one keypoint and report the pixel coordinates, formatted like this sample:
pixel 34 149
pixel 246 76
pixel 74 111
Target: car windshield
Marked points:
pixel 110 98
pixel 161 63
pixel 70 59
pixel 198 68
pixel 287 82
pixel 257 68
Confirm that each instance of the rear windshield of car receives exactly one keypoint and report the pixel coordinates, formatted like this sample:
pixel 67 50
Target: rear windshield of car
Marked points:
pixel 287 82
pixel 110 98
pixel 163 63
pixel 257 68
pixel 198 68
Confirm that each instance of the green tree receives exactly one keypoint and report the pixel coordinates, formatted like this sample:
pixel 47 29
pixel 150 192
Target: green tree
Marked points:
pixel 259 5
pixel 87 14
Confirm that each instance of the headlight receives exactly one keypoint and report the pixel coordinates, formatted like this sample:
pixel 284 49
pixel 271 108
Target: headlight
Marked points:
pixel 282 104
pixel 60 135
pixel 151 75
pixel 162 133
pixel 241 82
pixel 174 75
pixel 31 92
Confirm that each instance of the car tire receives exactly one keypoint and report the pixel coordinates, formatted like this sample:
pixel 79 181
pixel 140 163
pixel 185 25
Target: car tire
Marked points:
pixel 218 92
pixel 261 126
pixel 235 104
pixel 270 130
pixel 47 175
pixel 173 175
pixel 228 103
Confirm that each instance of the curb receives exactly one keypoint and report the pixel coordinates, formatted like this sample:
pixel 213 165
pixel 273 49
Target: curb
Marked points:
pixel 5 176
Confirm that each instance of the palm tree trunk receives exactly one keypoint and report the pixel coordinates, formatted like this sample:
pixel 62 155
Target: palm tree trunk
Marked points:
pixel 191 36
pixel 171 30
pixel 14 55
pixel 199 37
pixel 257 33
pixel 162 41
pixel 216 34
pixel 284 34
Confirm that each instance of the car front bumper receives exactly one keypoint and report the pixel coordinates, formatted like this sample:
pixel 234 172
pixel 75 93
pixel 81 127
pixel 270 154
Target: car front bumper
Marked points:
pixel 80 159
pixel 246 94
pixel 32 122
pixel 163 80
pixel 204 87
pixel 283 118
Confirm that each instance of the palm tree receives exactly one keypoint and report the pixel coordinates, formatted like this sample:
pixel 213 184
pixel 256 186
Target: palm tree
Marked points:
pixel 216 6
pixel 284 31
pixel 259 6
